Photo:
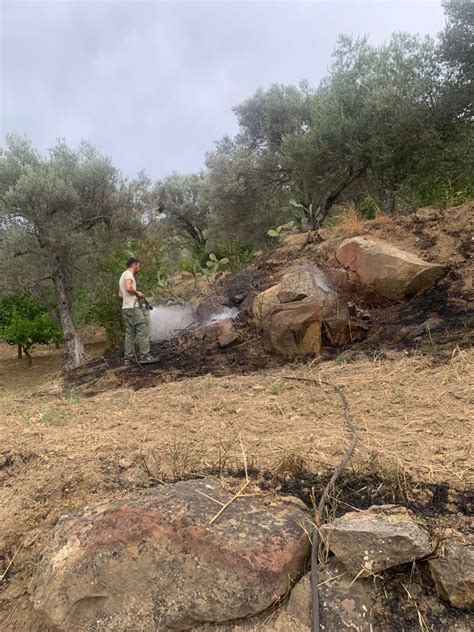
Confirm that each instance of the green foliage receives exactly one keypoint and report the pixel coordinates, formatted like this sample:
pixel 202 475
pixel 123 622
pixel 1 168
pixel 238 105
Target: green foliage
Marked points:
pixel 230 254
pixel 268 116
pixel 244 191
pixel 457 52
pixel 180 202
pixel 215 265
pixel 59 215
pixel 237 252
pixel 25 322
pixel 103 306
pixel 281 231
pixel 188 265
pixel 368 207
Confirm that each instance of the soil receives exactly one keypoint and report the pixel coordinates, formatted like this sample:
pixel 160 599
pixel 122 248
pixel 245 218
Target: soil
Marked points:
pixel 106 432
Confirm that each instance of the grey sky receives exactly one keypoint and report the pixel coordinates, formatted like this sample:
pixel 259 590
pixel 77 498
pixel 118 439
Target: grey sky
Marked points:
pixel 152 84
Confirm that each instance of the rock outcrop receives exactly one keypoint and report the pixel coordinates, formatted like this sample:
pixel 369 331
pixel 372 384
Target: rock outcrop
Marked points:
pixel 293 330
pixel 374 269
pixel 376 539
pixel 308 284
pixel 156 562
pixel 300 283
pixel 453 573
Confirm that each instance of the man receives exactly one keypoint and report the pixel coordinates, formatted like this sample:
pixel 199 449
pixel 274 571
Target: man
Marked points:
pixel 135 325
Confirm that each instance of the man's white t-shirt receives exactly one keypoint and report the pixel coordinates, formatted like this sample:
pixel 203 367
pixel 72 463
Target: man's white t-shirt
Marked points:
pixel 129 301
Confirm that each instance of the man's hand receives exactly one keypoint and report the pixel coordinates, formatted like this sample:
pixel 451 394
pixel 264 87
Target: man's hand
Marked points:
pixel 139 294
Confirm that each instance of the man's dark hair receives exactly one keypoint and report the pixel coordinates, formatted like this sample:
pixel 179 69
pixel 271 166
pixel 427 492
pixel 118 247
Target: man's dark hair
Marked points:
pixel 131 261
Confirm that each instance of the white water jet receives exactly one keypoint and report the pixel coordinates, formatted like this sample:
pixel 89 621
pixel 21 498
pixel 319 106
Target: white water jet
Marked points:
pixel 226 312
pixel 169 321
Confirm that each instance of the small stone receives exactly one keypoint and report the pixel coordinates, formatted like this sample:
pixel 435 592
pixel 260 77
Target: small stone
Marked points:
pixel 453 573
pixel 126 463
pixel 229 339
pixel 134 477
pixel 343 604
pixel 376 539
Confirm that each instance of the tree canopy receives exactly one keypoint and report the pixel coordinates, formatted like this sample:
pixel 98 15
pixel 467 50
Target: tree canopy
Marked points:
pixel 55 214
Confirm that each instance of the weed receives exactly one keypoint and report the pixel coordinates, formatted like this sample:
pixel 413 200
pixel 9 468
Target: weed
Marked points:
pixel 351 222
pixel 183 458
pixel 393 477
pixel 399 396
pixel 291 463
pixel 208 381
pixel 75 397
pixel 55 418
pixel 275 389
pixel 224 449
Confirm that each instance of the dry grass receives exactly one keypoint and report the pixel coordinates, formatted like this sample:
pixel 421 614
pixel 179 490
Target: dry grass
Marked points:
pixel 350 222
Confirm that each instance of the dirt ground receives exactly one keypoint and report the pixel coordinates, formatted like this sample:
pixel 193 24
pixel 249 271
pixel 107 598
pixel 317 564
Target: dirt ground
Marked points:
pixel 113 432
pixel 60 452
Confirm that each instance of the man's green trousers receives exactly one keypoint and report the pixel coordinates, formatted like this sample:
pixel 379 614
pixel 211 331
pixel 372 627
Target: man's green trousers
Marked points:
pixel 135 330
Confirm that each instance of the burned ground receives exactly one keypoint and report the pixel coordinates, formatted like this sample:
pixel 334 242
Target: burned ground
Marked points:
pixel 107 433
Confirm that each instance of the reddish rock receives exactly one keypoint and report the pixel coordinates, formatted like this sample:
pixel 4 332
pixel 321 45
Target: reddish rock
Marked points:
pixel 374 269
pixel 155 562
pixel 293 330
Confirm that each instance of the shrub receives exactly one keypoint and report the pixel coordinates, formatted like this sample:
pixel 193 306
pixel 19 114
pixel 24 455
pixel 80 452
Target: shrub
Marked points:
pixel 25 322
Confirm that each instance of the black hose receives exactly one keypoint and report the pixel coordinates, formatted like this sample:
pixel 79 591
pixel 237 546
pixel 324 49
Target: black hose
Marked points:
pixel 315 623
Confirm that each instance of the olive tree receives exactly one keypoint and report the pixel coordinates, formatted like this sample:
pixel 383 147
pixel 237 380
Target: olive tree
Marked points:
pixel 57 212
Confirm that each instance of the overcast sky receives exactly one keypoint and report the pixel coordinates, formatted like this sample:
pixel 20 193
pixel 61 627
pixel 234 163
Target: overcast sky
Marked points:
pixel 152 84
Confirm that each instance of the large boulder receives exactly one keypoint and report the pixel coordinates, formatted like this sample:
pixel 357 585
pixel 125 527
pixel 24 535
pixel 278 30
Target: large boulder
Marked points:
pixel 343 603
pixel 156 562
pixel 376 539
pixel 372 269
pixel 293 330
pixel 299 283
pixel 453 573
pixel 309 284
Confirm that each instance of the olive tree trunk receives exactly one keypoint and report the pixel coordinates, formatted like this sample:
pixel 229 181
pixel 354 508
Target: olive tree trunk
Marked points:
pixel 74 354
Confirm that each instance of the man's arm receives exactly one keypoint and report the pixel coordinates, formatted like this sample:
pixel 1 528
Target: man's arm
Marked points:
pixel 130 290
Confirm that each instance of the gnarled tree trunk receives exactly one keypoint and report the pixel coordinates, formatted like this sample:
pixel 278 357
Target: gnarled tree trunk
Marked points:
pixel 74 354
